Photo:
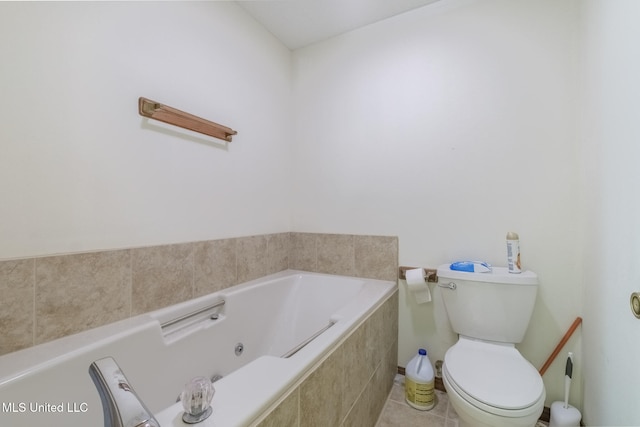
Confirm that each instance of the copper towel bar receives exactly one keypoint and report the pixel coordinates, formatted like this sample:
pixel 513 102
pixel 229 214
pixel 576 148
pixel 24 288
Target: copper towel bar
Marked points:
pixel 155 110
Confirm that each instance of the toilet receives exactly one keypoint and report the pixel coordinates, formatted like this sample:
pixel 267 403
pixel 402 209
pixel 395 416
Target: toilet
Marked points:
pixel 488 381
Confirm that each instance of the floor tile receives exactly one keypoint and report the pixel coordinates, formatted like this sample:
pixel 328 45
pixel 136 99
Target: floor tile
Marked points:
pixel 397 411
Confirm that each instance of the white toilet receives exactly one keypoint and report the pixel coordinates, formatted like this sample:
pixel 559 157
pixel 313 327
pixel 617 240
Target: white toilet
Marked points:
pixel 488 381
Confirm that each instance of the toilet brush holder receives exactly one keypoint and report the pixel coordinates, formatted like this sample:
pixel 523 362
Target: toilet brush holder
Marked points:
pixel 562 416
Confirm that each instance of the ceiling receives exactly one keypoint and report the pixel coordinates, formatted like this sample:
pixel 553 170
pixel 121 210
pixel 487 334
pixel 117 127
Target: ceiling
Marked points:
pixel 298 23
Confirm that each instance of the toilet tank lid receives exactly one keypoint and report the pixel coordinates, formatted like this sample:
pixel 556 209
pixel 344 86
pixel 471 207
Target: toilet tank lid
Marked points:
pixel 497 275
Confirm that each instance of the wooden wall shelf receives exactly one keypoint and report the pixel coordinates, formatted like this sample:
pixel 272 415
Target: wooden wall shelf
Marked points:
pixel 155 110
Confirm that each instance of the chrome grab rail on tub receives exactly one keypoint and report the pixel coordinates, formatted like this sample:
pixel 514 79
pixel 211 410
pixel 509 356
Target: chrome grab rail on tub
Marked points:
pixel 299 347
pixel 192 314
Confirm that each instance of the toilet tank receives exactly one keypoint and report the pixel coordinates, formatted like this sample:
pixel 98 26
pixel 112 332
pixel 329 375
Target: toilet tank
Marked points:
pixel 495 306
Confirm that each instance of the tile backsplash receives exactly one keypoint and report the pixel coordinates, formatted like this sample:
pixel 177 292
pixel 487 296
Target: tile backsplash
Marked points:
pixel 50 297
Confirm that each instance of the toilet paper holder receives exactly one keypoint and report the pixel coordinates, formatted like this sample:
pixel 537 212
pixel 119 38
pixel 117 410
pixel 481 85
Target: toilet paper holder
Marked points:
pixel 431 274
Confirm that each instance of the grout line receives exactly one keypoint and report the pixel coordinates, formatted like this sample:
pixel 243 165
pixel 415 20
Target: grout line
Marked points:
pixel 35 314
pixel 130 290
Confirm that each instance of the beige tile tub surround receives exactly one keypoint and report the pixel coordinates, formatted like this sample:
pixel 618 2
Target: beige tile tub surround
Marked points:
pixel 215 266
pixel 376 255
pixel 161 276
pixel 350 386
pixel 16 305
pixel 373 257
pixel 50 297
pixel 79 292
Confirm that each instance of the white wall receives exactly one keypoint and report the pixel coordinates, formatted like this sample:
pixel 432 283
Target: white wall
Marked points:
pixel 610 135
pixel 449 126
pixel 81 170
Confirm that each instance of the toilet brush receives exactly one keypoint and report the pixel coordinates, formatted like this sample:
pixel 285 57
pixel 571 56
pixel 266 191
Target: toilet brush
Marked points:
pixel 563 414
pixel 568 372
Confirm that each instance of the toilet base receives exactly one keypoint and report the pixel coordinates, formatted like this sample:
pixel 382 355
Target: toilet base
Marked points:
pixel 463 423
pixel 465 420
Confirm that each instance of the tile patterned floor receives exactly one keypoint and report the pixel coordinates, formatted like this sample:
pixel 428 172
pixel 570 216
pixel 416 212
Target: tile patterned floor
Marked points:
pixel 397 412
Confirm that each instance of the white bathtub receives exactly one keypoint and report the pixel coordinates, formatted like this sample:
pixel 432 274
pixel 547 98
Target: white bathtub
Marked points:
pixel 49 384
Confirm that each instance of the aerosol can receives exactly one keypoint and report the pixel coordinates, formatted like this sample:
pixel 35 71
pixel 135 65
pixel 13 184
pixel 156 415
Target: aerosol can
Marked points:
pixel 513 252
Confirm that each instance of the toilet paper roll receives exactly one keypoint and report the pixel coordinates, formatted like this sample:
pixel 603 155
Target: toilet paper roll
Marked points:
pixel 417 285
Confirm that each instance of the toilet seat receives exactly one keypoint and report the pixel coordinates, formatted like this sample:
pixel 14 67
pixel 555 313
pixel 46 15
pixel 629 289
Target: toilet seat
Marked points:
pixel 494 377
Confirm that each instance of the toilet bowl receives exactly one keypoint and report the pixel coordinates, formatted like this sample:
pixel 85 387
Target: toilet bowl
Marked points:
pixel 492 385
pixel 489 383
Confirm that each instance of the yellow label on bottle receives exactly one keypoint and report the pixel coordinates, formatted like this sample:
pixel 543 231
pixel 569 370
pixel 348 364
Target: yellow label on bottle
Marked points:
pixel 420 394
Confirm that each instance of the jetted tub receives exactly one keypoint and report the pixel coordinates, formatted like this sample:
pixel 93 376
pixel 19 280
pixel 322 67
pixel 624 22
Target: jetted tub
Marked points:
pixel 263 339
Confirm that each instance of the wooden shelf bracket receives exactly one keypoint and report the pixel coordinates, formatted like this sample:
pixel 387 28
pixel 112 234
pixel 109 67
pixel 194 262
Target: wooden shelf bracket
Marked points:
pixel 163 113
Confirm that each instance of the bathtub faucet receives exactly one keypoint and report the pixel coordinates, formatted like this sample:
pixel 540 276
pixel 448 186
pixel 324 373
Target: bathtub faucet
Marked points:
pixel 121 406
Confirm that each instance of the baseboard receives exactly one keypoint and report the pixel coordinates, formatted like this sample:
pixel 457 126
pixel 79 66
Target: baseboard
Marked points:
pixel 546 414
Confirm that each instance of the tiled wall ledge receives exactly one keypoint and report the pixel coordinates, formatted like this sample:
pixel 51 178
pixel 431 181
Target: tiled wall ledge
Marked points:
pixel 51 297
